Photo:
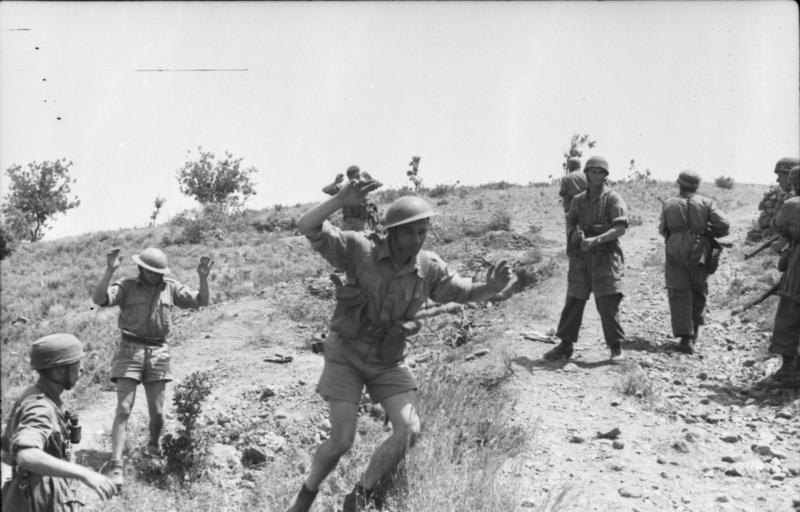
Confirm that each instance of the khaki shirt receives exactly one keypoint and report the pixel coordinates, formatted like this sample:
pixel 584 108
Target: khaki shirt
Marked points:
pixel 787 223
pixel 600 270
pixel 144 309
pixel 38 421
pixel 392 294
pixel 684 220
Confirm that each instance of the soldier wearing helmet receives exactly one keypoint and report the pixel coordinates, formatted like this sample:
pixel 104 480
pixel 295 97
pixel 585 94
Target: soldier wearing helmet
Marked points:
pixel 688 223
pixel 782 168
pixel 37 440
pixel 596 219
pixel 389 278
pixel 358 217
pixel 786 331
pixel 573 183
pixel 145 303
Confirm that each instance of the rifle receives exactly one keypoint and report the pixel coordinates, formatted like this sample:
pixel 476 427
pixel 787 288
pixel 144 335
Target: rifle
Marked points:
pixel 762 247
pixel 758 300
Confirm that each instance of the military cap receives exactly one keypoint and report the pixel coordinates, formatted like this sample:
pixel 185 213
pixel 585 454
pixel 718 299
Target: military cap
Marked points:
pixel 598 162
pixel 784 164
pixel 573 163
pixel 794 176
pixel 55 350
pixel 689 179
pixel 352 171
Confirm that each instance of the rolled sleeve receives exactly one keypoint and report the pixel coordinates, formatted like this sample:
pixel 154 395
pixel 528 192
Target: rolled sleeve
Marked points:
pixel 617 210
pixel 115 295
pixel 331 243
pixel 445 284
pixel 33 428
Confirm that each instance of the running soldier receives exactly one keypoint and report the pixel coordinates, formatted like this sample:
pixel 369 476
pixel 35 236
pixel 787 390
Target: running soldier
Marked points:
pixel 687 223
pixel 389 278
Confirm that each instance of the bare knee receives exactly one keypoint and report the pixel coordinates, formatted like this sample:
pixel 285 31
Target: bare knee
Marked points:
pixel 409 431
pixel 339 445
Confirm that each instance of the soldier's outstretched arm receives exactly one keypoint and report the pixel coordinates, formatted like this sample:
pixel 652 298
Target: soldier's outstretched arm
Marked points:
pixel 113 261
pixel 497 278
pixel 39 462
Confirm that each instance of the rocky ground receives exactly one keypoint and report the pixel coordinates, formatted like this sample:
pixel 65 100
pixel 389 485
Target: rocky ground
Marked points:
pixel 657 431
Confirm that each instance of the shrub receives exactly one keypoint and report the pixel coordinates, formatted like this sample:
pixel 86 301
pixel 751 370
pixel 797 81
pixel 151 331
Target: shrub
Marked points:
pixel 500 221
pixel 216 181
pixel 724 182
pixel 184 450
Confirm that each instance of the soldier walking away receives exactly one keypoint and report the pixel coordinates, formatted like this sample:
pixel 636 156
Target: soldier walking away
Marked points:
pixel 37 442
pixel 596 219
pixel 389 278
pixel 358 217
pixel 786 332
pixel 573 183
pixel 687 223
pixel 142 356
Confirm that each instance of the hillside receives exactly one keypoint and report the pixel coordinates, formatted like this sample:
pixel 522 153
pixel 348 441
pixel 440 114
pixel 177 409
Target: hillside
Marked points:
pixel 702 432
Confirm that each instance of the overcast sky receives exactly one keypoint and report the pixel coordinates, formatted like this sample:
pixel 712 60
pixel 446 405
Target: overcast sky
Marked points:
pixel 482 91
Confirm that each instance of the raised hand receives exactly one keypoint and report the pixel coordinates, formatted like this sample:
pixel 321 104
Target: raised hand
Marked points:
pixel 498 276
pixel 113 259
pixel 204 267
pixel 355 191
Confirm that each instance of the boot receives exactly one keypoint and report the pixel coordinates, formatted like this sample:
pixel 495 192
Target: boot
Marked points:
pixel 686 345
pixel 616 351
pixel 787 373
pixel 115 471
pixel 561 351
pixel 304 500
pixel 357 500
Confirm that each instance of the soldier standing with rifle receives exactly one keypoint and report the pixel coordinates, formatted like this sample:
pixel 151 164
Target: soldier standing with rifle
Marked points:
pixel 786 332
pixel 596 219
pixel 687 223
pixel 388 280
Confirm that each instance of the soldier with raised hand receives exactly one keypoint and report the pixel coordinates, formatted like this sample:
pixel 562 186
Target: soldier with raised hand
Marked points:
pixel 596 219
pixel 786 331
pixel 362 215
pixel 687 223
pixel 38 438
pixel 389 278
pixel 142 356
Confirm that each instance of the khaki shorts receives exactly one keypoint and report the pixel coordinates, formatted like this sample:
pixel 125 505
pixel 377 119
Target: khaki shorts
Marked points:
pixel 352 364
pixel 140 362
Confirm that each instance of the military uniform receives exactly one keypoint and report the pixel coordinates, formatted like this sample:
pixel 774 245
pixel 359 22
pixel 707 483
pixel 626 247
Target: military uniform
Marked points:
pixel 786 333
pixel 375 300
pixel 38 421
pixel 144 322
pixel 598 271
pixel 572 184
pixel 354 218
pixel 686 223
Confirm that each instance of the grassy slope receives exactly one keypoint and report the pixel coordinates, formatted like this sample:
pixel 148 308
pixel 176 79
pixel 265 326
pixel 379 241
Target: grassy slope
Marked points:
pixel 50 283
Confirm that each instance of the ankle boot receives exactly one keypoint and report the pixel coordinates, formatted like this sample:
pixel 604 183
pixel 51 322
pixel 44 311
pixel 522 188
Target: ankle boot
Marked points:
pixel 686 345
pixel 304 500
pixel 356 500
pixel 787 371
pixel 561 351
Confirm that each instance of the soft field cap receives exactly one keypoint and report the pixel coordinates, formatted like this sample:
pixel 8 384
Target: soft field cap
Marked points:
pixel 55 350
pixel 689 179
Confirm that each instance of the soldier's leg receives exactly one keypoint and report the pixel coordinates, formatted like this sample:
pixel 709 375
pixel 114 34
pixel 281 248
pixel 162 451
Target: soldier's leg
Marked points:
pixel 698 311
pixel 126 395
pixel 681 310
pixel 608 307
pixel 568 328
pixel 155 391
pixel 401 411
pixel 786 338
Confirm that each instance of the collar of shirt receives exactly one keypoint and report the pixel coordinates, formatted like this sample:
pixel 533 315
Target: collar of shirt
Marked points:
pixel 145 284
pixel 385 252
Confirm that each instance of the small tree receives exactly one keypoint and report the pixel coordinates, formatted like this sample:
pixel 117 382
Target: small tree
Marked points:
pixel 577 142
pixel 216 181
pixel 157 204
pixel 36 195
pixel 413 173
pixel 634 174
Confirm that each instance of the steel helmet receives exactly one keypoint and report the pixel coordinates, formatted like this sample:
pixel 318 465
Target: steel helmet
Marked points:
pixel 55 350
pixel 689 179
pixel 152 259
pixel 573 163
pixel 794 177
pixel 598 162
pixel 407 209
pixel 784 164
